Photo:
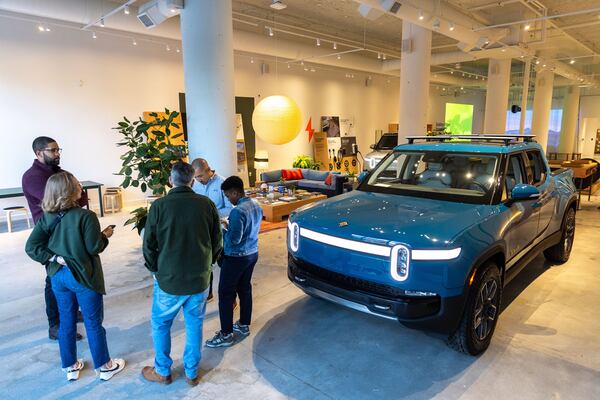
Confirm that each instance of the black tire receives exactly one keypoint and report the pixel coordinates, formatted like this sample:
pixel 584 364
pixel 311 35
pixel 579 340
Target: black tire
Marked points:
pixel 559 253
pixel 478 322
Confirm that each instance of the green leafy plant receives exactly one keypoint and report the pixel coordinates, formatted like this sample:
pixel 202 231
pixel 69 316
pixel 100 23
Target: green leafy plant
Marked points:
pixel 150 155
pixel 306 162
pixel 140 215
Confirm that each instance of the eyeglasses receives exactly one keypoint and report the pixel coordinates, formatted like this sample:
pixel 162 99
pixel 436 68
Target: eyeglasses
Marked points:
pixel 57 150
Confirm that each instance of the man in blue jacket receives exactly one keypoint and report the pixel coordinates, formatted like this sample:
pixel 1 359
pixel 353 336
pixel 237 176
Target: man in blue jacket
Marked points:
pixel 208 183
pixel 240 242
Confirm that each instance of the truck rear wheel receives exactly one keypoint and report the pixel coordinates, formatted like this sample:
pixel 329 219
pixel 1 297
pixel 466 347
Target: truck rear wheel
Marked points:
pixel 561 251
pixel 478 322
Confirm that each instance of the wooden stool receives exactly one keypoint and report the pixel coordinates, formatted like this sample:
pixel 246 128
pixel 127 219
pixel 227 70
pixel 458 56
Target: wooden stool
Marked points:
pixel 9 212
pixel 113 197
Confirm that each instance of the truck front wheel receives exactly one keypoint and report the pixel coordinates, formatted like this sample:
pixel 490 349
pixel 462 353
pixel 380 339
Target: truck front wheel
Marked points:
pixel 481 312
pixel 560 252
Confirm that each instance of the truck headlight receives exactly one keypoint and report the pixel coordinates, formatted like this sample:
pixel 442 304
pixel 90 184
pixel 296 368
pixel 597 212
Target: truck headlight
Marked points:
pixel 400 262
pixel 294 236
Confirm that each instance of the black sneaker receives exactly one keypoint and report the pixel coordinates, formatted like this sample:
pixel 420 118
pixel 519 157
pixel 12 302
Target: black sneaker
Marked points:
pixel 220 340
pixel 243 330
pixel 53 333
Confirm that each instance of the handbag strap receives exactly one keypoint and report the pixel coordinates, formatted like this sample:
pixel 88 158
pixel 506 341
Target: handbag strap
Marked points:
pixel 54 223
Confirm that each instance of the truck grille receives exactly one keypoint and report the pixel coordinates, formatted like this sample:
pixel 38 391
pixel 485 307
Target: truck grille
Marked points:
pixel 299 267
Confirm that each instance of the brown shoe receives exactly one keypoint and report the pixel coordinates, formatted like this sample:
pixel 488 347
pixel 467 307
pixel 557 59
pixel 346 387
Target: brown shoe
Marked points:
pixel 193 382
pixel 150 374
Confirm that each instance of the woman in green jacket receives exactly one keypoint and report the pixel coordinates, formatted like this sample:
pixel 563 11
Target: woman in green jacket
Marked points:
pixel 67 240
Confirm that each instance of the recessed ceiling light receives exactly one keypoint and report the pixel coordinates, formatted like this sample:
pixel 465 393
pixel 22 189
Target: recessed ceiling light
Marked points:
pixel 339 56
pixel 537 62
pixel 527 27
pixel 572 61
pixel 41 28
pixel 134 42
pixel 544 66
pixel 278 5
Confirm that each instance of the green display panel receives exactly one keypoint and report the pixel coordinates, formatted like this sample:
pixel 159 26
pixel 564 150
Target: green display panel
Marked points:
pixel 459 118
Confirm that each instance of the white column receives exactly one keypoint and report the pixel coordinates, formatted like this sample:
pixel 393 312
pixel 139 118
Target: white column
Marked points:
pixel 496 98
pixel 414 81
pixel 524 96
pixel 207 39
pixel 542 103
pixel 568 128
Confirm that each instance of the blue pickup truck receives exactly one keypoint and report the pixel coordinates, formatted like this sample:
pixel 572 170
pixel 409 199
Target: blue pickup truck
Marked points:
pixel 435 231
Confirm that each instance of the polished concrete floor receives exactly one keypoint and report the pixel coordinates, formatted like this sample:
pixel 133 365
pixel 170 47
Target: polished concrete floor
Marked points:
pixel 546 346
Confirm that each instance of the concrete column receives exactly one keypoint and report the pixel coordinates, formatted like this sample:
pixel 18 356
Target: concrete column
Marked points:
pixel 542 103
pixel 496 99
pixel 524 96
pixel 568 129
pixel 207 39
pixel 414 81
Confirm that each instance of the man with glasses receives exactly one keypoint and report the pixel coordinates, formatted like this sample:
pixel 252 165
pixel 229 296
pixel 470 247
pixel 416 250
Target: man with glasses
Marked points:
pixel 34 180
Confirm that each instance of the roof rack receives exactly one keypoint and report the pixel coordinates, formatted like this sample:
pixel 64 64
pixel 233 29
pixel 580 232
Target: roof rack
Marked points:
pixel 505 139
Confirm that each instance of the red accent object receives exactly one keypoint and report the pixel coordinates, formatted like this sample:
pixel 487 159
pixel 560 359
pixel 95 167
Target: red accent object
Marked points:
pixel 328 179
pixel 310 130
pixel 291 174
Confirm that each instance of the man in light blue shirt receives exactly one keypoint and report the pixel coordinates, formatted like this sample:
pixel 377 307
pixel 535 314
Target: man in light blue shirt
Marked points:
pixel 208 183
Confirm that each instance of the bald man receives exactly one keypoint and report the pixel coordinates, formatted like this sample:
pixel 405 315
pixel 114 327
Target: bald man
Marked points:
pixel 208 183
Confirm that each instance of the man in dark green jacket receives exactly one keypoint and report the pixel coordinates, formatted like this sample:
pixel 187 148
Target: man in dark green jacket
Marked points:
pixel 182 239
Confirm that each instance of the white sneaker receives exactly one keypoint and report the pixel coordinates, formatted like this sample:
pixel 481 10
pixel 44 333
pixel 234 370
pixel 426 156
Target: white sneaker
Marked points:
pixel 73 370
pixel 106 373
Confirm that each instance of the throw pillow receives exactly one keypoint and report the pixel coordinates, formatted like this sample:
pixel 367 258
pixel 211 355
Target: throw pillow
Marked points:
pixel 291 174
pixel 328 179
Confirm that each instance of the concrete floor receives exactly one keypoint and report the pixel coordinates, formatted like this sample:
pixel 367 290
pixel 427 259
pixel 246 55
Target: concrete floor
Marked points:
pixel 546 345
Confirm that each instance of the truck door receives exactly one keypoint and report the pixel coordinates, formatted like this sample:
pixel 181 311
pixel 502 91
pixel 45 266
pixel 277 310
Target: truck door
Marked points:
pixel 538 175
pixel 521 218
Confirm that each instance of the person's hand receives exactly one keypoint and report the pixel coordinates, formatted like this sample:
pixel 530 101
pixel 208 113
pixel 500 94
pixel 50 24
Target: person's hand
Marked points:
pixel 225 223
pixel 108 231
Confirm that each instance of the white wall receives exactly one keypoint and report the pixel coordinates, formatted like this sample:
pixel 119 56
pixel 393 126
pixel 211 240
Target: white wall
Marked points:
pixel 324 92
pixel 589 115
pixel 70 87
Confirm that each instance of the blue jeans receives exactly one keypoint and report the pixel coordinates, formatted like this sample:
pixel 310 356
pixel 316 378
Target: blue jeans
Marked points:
pixel 165 308
pixel 68 293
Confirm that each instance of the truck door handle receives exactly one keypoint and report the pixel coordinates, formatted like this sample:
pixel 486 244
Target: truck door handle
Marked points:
pixel 380 307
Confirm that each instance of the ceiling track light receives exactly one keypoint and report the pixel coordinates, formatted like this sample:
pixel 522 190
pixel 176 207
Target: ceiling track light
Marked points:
pixel 318 42
pixel 379 56
pixel 572 61
pixel 168 48
pixel 177 50
pixel 451 72
pixel 102 22
pixel 339 56
pixel 41 28
pixel 126 10
pixel 421 16
pixel 537 62
pixel 134 42
pixel 270 31
pixel 451 27
pixel 334 45
pixel 527 27
pixel 94 35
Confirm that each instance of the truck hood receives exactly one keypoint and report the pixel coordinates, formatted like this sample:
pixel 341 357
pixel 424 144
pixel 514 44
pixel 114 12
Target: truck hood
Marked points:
pixel 388 219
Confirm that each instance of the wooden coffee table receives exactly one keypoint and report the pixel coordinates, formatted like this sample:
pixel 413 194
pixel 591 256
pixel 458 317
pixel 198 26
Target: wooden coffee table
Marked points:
pixel 276 211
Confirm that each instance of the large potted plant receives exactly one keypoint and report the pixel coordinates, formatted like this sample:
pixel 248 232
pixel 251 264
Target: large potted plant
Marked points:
pixel 306 162
pixel 150 154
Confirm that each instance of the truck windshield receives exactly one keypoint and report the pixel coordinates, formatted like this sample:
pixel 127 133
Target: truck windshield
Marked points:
pixel 387 142
pixel 461 177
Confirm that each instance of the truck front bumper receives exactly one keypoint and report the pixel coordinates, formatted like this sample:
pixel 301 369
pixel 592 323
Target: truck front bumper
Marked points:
pixel 435 313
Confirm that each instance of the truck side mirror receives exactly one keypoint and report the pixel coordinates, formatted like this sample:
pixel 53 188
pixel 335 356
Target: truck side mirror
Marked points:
pixel 524 192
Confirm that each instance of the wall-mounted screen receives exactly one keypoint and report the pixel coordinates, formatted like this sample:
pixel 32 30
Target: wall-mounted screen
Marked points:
pixel 459 118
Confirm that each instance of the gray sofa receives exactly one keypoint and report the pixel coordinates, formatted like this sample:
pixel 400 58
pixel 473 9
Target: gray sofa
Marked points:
pixel 314 181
